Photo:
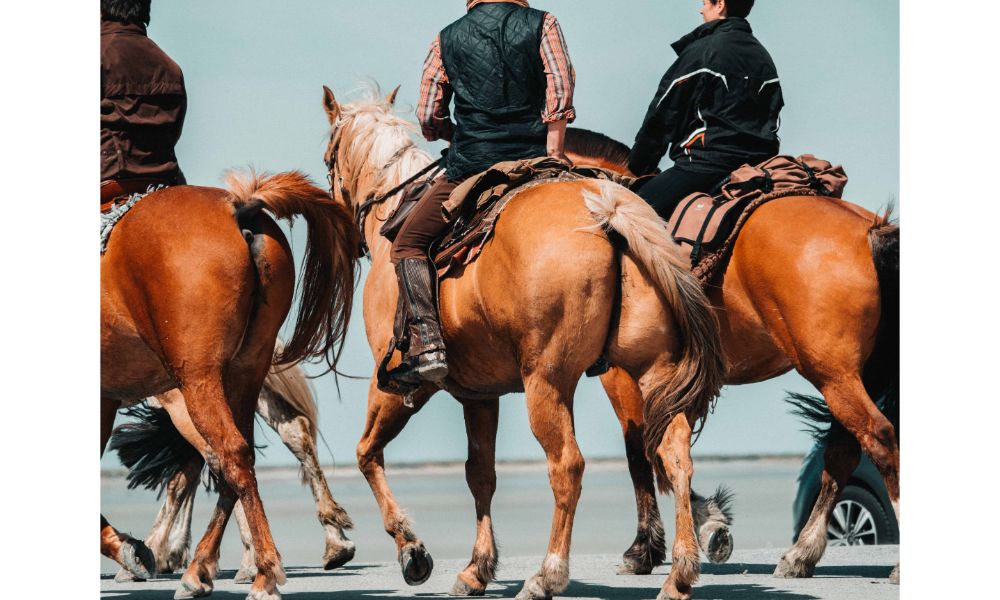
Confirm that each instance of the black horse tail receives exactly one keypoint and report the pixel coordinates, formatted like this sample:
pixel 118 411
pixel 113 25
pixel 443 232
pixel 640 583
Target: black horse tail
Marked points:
pixel 151 448
pixel 881 373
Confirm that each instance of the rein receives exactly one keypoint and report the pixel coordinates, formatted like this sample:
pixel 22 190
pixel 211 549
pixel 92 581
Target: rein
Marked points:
pixel 362 209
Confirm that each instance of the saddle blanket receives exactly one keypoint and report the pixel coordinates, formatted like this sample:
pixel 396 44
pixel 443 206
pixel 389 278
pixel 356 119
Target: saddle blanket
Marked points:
pixel 114 214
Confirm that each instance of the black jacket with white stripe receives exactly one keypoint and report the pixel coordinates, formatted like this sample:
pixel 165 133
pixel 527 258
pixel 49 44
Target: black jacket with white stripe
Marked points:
pixel 717 106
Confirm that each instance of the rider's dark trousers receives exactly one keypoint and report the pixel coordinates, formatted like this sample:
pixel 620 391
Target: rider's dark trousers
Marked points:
pixel 665 191
pixel 425 224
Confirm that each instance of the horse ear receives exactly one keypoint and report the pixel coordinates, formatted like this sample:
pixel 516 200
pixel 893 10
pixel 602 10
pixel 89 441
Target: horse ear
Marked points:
pixel 330 105
pixel 391 98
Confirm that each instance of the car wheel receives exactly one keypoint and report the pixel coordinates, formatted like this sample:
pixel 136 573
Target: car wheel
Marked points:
pixel 858 519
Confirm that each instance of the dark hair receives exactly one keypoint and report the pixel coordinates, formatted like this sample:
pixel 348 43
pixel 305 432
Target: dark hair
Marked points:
pixel 737 8
pixel 126 11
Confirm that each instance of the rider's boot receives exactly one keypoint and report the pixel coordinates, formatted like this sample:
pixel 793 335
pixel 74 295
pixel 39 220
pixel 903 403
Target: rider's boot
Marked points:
pixel 417 283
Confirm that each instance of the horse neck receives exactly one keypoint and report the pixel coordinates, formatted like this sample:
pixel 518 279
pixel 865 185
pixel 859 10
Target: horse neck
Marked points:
pixel 404 166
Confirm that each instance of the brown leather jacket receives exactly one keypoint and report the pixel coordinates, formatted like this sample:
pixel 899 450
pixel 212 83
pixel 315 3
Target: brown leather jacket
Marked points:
pixel 142 106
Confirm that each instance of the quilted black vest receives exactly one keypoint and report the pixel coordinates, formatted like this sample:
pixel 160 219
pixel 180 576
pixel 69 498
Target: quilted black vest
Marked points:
pixel 493 61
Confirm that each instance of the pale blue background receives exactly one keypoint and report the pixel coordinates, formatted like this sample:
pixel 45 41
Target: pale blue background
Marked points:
pixel 254 71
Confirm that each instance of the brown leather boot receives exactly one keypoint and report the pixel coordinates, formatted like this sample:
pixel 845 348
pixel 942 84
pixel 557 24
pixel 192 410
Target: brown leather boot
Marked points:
pixel 417 283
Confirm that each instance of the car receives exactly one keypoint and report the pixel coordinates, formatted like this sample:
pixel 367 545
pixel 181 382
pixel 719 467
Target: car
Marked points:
pixel 863 515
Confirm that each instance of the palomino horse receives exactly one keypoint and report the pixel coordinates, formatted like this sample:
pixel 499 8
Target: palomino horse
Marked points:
pixel 158 455
pixel 813 284
pixel 549 294
pixel 195 284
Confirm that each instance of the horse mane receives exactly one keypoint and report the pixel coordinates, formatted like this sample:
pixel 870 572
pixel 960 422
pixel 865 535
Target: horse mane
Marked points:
pixel 585 142
pixel 378 135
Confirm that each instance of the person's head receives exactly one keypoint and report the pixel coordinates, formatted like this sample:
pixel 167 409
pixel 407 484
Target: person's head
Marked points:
pixel 721 9
pixel 126 11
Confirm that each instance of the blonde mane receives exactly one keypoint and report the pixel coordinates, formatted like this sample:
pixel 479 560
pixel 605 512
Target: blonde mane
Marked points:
pixel 379 149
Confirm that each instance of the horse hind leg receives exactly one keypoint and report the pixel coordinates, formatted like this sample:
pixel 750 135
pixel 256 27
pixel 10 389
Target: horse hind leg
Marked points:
pixel 481 419
pixel 648 550
pixel 295 431
pixel 674 453
pixel 839 460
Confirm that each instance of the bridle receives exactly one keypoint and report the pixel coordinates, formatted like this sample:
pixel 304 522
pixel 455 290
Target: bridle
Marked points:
pixel 362 209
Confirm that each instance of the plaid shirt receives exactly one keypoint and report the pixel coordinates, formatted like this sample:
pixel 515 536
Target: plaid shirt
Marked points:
pixel 435 89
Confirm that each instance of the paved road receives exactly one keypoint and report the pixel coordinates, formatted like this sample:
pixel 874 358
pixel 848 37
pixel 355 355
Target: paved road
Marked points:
pixel 438 501
pixel 844 574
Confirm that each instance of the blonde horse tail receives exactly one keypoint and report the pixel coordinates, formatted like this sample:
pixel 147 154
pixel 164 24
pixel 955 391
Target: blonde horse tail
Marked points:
pixel 289 383
pixel 698 375
pixel 329 271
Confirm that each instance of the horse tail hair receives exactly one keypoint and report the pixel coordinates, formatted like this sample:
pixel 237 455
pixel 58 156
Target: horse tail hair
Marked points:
pixel 289 383
pixel 881 372
pixel 698 375
pixel 151 448
pixel 329 271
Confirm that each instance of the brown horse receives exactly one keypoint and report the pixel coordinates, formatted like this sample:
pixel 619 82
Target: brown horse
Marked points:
pixel 813 285
pixel 195 284
pixel 159 456
pixel 548 295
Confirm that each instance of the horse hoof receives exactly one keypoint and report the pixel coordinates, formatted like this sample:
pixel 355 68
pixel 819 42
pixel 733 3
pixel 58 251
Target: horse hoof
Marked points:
pixel 894 576
pixel 338 557
pixel 634 565
pixel 720 546
pixel 123 576
pixel 417 563
pixel 188 590
pixel 665 596
pixel 245 575
pixel 793 570
pixel 533 590
pixel 138 559
pixel 462 588
pixel 264 595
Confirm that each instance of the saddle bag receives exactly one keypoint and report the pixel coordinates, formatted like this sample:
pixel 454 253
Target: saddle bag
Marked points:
pixel 411 195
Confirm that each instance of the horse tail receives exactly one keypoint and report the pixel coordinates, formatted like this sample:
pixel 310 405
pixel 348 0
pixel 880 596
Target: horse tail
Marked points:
pixel 698 375
pixel 329 272
pixel 881 373
pixel 151 448
pixel 290 384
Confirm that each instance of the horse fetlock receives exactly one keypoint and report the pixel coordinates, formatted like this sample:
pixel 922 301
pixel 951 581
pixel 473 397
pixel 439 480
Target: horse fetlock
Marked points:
pixel 245 575
pixel 416 563
pixel 684 572
pixel 124 576
pixel 264 588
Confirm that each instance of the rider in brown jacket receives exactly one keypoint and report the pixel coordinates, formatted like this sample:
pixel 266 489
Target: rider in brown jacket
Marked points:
pixel 143 102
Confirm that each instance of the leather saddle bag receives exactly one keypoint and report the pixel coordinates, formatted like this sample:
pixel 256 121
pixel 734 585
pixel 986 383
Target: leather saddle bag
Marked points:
pixel 411 195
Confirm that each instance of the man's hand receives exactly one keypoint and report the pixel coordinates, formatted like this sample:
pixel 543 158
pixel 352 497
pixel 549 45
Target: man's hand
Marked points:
pixel 555 143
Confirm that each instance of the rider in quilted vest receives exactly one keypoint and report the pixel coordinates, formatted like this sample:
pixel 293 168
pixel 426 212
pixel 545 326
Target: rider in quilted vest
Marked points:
pixel 143 102
pixel 507 69
pixel 716 108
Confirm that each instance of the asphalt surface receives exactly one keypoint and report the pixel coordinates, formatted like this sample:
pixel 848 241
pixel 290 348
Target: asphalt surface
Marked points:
pixel 843 574
pixel 439 503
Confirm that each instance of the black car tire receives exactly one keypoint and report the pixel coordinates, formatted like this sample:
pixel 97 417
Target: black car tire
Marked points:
pixel 873 528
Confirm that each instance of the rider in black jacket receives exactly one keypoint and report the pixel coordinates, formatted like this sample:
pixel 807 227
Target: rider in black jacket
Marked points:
pixel 716 108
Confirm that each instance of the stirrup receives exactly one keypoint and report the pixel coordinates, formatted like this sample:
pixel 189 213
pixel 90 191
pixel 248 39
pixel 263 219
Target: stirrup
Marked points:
pixel 432 366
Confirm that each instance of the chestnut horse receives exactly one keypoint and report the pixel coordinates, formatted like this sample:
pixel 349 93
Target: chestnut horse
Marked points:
pixel 548 295
pixel 813 285
pixel 195 284
pixel 159 456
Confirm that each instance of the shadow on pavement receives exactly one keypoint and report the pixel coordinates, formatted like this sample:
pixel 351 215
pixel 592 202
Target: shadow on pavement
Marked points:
pixel 864 571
